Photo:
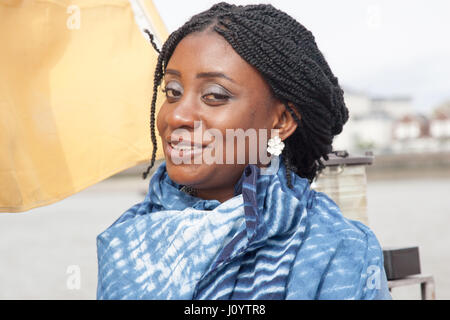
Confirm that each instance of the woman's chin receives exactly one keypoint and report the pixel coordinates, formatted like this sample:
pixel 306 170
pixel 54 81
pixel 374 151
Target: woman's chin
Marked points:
pixel 188 174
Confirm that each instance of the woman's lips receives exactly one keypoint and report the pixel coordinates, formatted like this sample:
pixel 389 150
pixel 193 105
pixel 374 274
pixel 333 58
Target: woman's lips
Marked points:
pixel 184 150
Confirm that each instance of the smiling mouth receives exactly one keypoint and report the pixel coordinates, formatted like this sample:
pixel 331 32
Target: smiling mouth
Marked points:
pixel 184 150
pixel 185 146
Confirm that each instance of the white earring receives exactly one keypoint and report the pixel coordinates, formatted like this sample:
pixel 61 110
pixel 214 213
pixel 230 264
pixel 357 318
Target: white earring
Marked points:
pixel 275 146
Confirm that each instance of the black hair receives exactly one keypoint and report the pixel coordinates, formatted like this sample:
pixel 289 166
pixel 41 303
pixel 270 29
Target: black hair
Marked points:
pixel 287 56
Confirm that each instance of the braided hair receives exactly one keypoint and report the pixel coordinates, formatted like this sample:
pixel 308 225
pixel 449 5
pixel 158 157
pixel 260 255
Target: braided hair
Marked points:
pixel 286 55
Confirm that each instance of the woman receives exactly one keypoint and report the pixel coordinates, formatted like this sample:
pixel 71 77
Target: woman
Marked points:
pixel 229 226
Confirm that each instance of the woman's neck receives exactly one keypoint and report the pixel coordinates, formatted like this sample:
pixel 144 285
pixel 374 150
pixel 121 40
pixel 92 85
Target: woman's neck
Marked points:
pixel 222 194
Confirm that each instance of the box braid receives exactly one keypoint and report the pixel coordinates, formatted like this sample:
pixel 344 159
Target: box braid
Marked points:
pixel 286 55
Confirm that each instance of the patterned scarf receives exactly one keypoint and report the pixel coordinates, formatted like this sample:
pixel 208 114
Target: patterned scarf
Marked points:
pixel 267 242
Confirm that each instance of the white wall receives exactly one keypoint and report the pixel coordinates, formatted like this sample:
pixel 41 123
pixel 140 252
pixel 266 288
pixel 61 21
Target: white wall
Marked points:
pixel 358 104
pixel 440 128
pixel 397 108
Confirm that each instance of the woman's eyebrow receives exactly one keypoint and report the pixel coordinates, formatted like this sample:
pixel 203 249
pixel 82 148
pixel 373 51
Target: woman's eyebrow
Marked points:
pixel 174 72
pixel 202 74
pixel 214 75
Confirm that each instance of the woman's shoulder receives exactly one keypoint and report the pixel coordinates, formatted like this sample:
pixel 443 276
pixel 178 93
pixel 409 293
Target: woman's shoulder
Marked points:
pixel 342 255
pixel 326 217
pixel 328 228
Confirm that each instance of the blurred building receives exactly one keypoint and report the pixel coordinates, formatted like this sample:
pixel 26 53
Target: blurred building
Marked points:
pixel 370 123
pixel 440 122
pixel 390 125
pixel 411 134
pixel 411 127
pixel 396 106
pixel 440 126
pixel 358 103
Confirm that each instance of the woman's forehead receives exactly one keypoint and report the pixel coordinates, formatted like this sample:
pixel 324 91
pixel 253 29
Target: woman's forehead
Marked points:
pixel 207 51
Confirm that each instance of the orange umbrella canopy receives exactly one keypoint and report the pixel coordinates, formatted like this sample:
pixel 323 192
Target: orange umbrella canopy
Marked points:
pixel 75 88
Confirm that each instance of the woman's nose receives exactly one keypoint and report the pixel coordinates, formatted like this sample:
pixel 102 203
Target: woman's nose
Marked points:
pixel 183 114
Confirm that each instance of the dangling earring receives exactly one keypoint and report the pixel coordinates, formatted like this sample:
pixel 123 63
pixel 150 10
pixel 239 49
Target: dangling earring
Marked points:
pixel 275 146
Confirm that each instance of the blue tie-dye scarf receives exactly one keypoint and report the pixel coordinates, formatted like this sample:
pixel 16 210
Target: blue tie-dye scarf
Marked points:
pixel 267 242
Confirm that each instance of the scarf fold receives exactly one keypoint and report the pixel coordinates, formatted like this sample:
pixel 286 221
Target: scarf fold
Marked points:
pixel 177 246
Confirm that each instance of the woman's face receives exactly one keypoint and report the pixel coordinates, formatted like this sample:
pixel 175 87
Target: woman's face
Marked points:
pixel 210 87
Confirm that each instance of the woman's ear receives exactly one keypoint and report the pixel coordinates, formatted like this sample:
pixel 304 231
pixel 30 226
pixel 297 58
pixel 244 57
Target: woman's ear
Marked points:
pixel 283 121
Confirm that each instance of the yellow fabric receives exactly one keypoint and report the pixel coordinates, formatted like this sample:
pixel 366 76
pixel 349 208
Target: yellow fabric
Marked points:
pixel 74 102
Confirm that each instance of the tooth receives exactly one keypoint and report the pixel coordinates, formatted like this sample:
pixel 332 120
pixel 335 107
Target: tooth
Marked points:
pixel 184 147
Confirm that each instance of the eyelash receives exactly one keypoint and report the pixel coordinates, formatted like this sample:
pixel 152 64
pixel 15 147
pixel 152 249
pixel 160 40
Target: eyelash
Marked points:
pixel 221 96
pixel 165 90
pixel 217 96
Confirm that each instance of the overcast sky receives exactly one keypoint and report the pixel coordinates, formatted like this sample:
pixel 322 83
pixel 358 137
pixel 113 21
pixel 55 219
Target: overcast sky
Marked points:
pixel 379 47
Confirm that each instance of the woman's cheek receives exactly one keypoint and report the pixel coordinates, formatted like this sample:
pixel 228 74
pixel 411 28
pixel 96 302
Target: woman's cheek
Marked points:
pixel 160 123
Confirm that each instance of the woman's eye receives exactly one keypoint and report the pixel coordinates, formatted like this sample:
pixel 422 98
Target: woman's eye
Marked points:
pixel 172 93
pixel 216 94
pixel 173 90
